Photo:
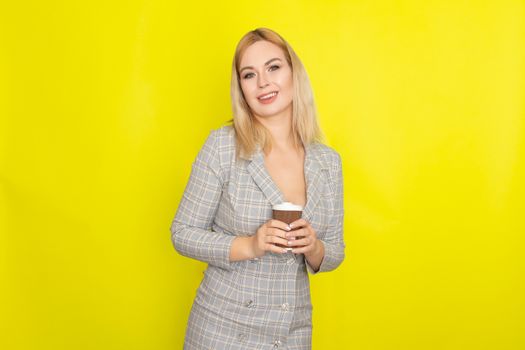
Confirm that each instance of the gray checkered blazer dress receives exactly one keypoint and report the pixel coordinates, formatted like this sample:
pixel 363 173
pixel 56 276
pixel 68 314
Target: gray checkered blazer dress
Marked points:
pixel 260 303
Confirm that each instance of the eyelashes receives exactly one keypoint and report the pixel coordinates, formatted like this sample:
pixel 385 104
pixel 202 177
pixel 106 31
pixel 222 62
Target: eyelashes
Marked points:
pixel 271 69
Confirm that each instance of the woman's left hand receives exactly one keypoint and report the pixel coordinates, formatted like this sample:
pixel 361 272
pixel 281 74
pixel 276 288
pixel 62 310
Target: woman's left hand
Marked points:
pixel 303 238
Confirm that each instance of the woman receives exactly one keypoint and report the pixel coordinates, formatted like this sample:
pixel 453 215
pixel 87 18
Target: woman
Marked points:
pixel 255 294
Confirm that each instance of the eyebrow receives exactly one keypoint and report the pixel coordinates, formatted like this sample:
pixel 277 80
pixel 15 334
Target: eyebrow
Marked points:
pixel 267 63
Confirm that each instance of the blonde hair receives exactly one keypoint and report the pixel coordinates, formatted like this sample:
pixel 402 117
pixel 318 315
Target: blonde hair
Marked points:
pixel 248 131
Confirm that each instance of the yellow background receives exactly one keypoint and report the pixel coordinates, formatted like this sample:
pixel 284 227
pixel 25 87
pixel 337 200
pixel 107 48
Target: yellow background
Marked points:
pixel 104 106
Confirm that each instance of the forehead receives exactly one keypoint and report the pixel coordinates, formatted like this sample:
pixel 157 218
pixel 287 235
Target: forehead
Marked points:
pixel 260 52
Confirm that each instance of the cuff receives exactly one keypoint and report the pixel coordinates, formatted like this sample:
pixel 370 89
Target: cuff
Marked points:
pixel 333 256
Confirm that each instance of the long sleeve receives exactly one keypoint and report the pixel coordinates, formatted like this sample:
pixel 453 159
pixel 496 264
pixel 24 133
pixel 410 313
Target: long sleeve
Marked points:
pixel 334 247
pixel 191 229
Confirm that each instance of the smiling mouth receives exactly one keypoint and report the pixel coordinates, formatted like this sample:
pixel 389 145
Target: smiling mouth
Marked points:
pixel 268 96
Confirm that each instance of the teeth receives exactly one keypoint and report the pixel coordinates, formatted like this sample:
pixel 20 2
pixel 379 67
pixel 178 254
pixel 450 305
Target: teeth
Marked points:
pixel 265 97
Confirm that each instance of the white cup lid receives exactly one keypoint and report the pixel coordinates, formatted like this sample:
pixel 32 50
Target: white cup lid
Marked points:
pixel 287 206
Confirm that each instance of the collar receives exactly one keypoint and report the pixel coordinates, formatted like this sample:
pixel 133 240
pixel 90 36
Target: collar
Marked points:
pixel 313 166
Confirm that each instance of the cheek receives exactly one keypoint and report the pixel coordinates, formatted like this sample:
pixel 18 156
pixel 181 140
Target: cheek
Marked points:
pixel 244 89
pixel 287 82
pixel 247 90
pixel 288 93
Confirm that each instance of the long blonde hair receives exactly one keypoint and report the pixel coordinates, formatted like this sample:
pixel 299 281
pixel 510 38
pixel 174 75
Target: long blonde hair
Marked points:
pixel 248 131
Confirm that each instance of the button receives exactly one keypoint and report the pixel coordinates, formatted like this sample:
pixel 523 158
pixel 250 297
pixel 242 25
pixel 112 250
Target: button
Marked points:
pixel 285 306
pixel 290 261
pixel 277 343
pixel 248 303
pixel 241 337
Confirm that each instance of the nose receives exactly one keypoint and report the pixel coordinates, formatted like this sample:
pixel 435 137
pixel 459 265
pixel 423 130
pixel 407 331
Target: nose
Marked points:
pixel 262 81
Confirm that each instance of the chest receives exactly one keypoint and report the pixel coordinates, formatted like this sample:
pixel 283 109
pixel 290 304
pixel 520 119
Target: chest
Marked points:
pixel 288 174
pixel 252 187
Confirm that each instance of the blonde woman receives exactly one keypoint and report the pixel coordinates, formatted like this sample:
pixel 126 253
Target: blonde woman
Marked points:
pixel 256 294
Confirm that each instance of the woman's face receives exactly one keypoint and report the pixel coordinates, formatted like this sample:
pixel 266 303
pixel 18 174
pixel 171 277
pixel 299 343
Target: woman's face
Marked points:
pixel 266 80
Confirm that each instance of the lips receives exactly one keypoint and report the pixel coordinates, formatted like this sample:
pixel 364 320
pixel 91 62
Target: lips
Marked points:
pixel 267 96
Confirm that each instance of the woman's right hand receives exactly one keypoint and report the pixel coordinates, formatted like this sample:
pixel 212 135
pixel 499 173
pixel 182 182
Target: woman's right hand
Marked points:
pixel 269 234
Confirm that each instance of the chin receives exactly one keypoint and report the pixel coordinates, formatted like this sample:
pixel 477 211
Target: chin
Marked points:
pixel 266 113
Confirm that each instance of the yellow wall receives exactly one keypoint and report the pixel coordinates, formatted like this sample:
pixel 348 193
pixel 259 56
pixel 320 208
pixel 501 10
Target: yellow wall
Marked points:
pixel 104 106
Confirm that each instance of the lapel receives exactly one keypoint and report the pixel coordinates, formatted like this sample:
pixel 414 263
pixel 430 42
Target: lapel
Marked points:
pixel 312 173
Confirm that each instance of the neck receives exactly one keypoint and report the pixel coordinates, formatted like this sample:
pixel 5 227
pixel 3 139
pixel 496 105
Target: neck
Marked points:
pixel 280 127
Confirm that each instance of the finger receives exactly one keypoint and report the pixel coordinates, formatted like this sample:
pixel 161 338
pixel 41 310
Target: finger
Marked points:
pixel 276 232
pixel 302 250
pixel 300 242
pixel 278 224
pixel 298 233
pixel 275 249
pixel 276 240
pixel 299 223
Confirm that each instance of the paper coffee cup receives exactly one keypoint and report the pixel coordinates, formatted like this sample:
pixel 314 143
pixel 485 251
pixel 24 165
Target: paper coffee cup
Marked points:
pixel 287 212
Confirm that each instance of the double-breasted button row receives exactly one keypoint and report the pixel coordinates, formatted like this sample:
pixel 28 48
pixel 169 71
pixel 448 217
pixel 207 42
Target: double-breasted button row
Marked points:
pixel 250 303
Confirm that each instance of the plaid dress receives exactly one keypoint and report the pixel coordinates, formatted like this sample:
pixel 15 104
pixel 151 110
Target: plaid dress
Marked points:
pixel 260 303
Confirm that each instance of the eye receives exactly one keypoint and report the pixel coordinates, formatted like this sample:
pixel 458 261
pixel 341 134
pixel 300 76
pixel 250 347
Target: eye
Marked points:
pixel 274 67
pixel 248 75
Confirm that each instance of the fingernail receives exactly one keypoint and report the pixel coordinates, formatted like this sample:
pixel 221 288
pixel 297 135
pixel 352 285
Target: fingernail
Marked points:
pixel 291 225
pixel 289 242
pixel 284 251
pixel 288 227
